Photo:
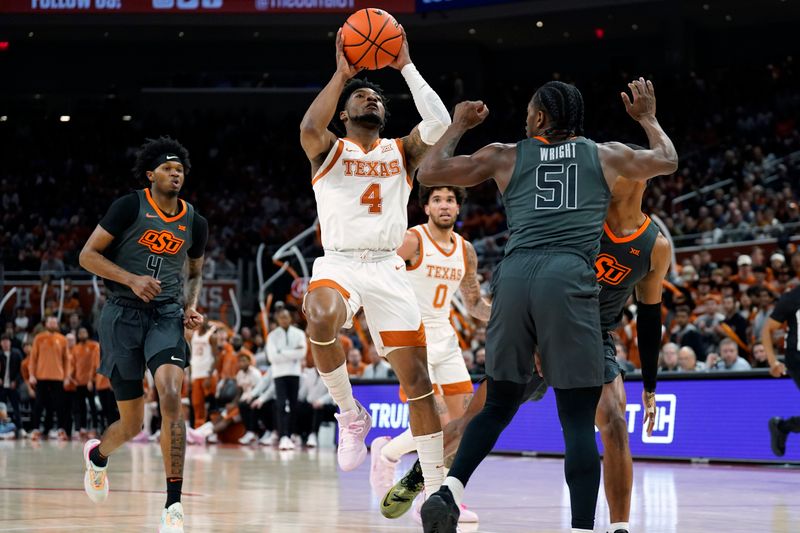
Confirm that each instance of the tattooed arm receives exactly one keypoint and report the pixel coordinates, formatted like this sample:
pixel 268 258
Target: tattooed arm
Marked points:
pixel 194 283
pixel 471 289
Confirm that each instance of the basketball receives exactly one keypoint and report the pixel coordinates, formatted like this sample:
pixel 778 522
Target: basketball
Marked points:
pixel 372 39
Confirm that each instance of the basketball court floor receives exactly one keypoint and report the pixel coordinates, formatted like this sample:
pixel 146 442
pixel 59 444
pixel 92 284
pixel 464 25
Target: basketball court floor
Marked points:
pixel 234 489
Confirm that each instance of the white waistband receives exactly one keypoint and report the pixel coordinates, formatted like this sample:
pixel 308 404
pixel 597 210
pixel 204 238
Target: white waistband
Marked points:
pixel 365 256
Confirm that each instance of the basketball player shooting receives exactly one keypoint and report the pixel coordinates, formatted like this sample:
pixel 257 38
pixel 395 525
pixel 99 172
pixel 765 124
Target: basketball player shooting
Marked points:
pixel 362 183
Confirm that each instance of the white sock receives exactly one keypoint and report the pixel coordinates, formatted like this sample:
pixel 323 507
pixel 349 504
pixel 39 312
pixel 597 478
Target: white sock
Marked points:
pixel 430 449
pixel 399 446
pixel 338 383
pixel 456 487
pixel 619 525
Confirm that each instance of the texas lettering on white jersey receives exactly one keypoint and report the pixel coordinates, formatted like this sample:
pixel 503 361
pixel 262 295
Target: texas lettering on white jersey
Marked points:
pixel 436 276
pixel 362 196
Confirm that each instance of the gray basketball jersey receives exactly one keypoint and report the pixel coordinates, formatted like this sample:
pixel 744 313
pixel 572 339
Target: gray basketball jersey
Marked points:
pixel 622 263
pixel 154 245
pixel 557 197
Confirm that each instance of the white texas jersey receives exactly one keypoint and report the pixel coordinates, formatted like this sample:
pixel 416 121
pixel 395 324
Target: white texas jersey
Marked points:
pixel 202 361
pixel 362 196
pixel 436 276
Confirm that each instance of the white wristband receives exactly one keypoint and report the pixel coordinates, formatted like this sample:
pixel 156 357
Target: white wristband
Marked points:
pixel 435 117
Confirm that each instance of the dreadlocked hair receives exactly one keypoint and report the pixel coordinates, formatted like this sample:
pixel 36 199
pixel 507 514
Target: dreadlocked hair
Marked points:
pixel 352 86
pixel 154 148
pixel 563 104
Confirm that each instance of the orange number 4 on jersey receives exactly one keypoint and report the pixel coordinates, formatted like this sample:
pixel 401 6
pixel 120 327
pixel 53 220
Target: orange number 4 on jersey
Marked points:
pixel 372 198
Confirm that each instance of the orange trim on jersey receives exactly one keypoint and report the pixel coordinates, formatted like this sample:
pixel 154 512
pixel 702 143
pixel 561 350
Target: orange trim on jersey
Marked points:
pixel 404 397
pixel 160 213
pixel 629 238
pixel 339 150
pixel 403 339
pixel 436 244
pixel 374 145
pixel 421 251
pixel 540 138
pixel 464 252
pixel 331 285
pixel 402 151
pixel 462 387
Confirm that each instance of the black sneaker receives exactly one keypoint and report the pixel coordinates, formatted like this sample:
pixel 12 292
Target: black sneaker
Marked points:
pixel 777 437
pixel 440 513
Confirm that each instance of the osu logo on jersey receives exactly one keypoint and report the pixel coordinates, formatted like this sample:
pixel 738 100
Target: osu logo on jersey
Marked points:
pixel 160 242
pixel 609 270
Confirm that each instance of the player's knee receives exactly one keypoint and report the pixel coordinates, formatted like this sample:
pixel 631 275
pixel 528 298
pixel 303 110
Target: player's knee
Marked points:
pixel 611 421
pixel 170 398
pixel 420 384
pixel 324 316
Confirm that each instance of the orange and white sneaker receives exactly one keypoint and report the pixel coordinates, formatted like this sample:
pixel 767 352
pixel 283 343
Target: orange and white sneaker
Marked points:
pixel 95 480
pixel 172 519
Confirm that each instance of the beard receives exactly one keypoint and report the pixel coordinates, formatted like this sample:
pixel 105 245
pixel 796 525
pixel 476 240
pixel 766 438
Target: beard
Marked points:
pixel 442 225
pixel 368 119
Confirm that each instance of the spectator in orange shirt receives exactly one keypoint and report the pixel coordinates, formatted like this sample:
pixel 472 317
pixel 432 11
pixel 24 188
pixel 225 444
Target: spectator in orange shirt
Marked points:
pixel 85 362
pixel 49 368
pixel 744 277
pixel 355 366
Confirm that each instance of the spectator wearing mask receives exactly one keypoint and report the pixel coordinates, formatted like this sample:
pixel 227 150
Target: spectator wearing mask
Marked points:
pixel 21 321
pixel 11 376
pixel 378 368
pixel 728 358
pixel 684 333
pixel 669 358
pixel 355 366
pixel 687 361
pixel 286 348
pixel 49 369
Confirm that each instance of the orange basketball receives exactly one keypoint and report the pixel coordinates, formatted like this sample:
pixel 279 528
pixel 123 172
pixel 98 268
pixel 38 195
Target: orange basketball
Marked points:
pixel 372 39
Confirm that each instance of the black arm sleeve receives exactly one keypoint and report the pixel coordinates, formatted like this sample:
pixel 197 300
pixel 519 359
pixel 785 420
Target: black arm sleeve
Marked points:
pixel 199 237
pixel 787 306
pixel 121 215
pixel 648 326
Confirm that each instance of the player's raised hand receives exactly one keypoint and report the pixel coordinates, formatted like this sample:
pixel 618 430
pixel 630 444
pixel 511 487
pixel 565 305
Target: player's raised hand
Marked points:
pixel 404 56
pixel 470 113
pixel 192 319
pixel 343 66
pixel 644 99
pixel 145 287
pixel 649 404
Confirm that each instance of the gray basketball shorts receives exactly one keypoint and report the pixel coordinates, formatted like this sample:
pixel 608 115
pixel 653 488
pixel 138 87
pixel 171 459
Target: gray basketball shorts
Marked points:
pixel 545 299
pixel 134 335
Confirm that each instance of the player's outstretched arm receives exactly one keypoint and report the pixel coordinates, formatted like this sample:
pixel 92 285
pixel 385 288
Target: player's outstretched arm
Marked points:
pixel 315 137
pixel 471 289
pixel 648 324
pixel 661 159
pixel 441 167
pixel 776 368
pixel 92 259
pixel 434 114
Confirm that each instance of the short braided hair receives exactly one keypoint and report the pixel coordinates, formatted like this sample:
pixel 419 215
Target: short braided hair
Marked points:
pixel 563 104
